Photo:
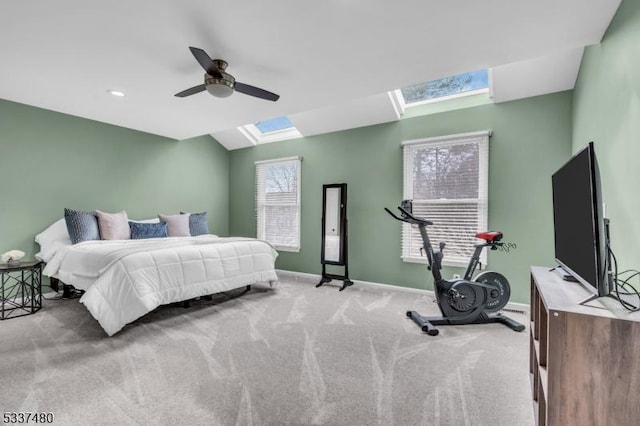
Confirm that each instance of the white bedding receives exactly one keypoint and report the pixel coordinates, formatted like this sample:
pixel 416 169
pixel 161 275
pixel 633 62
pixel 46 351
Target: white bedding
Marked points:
pixel 125 279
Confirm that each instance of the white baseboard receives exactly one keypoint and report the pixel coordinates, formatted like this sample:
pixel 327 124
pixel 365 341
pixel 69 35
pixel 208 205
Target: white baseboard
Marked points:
pixel 521 308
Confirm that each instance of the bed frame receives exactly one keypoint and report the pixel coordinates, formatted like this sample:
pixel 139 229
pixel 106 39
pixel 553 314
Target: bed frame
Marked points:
pixel 69 292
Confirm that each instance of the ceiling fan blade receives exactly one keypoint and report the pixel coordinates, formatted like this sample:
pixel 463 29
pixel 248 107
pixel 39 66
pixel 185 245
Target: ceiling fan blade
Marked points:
pixel 206 62
pixel 192 91
pixel 255 91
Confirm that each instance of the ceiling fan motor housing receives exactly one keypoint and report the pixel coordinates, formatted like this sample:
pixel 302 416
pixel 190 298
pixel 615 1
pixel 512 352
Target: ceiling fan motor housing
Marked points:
pixel 220 87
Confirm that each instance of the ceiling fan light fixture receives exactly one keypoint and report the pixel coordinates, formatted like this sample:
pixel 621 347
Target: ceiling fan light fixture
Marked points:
pixel 220 87
pixel 220 90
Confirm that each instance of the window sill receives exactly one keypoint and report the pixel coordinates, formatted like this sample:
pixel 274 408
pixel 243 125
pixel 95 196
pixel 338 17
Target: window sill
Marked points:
pixel 288 249
pixel 444 262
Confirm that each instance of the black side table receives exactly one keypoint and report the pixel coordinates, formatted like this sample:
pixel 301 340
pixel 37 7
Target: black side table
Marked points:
pixel 20 289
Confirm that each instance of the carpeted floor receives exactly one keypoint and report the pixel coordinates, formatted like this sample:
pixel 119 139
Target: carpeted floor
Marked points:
pixel 293 354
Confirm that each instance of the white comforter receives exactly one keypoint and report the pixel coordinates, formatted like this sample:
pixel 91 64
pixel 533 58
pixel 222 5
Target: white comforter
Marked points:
pixel 124 280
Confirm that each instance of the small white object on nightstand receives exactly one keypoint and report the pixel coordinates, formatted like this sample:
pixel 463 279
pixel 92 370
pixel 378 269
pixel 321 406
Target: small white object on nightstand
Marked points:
pixel 12 257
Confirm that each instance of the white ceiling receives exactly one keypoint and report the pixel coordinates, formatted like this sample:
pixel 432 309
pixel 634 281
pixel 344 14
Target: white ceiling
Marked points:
pixel 323 58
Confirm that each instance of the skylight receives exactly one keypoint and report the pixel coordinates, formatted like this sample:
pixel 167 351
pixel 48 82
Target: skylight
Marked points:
pixel 274 124
pixel 467 83
pixel 272 130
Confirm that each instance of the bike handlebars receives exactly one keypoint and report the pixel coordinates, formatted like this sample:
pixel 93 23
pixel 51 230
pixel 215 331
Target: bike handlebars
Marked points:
pixel 409 218
pixel 393 215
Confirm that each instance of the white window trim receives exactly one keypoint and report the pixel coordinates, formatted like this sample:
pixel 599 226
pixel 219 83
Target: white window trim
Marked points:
pixel 279 160
pixel 397 102
pixel 260 223
pixel 483 187
pixel 453 139
pixel 490 74
pixel 251 132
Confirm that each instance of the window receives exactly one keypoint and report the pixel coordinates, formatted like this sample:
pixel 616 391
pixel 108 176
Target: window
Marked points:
pixel 447 179
pixel 465 84
pixel 278 202
pixel 272 130
pixel 273 125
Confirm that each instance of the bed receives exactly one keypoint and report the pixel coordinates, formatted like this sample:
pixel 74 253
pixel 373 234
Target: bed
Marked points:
pixel 125 279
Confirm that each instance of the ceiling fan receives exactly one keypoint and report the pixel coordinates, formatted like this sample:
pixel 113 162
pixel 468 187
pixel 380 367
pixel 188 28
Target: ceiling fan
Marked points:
pixel 219 83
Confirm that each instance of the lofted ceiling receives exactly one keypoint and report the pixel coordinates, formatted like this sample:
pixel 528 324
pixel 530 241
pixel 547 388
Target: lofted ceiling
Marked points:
pixel 326 59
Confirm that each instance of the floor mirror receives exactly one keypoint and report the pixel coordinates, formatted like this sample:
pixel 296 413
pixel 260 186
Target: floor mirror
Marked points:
pixel 334 248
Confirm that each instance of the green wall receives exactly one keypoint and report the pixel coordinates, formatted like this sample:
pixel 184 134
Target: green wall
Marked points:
pixel 607 111
pixel 531 139
pixel 49 161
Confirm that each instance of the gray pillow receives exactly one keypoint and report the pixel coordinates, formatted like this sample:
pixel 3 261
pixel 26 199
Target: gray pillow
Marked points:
pixel 177 224
pixel 114 226
pixel 198 223
pixel 82 226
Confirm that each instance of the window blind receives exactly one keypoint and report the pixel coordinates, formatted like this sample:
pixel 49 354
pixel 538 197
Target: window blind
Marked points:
pixel 278 202
pixel 447 179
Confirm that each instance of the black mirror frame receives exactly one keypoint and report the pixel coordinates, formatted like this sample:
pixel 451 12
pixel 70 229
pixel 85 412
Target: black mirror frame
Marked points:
pixel 342 257
pixel 344 251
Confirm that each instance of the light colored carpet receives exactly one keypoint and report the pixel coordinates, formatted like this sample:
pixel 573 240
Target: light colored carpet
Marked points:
pixel 293 354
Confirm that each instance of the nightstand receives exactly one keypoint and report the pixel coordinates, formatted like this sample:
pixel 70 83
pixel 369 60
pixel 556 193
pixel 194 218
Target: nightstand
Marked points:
pixel 20 289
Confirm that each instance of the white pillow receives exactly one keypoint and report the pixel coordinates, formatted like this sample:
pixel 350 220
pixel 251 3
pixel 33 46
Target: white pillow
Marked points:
pixel 154 220
pixel 52 239
pixel 55 231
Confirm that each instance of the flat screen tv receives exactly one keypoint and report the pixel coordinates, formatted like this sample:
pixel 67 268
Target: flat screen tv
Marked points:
pixel 581 246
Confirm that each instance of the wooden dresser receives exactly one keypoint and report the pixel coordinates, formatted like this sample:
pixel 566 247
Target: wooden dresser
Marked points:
pixel 584 360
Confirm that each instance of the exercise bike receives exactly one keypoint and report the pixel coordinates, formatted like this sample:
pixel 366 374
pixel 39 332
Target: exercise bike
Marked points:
pixel 464 300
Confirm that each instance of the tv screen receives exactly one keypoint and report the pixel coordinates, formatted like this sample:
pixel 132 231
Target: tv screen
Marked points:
pixel 580 240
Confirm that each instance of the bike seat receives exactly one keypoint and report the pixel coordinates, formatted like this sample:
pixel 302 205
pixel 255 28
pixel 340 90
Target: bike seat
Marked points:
pixel 490 236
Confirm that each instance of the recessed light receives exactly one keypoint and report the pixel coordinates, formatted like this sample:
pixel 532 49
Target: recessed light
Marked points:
pixel 116 93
